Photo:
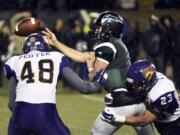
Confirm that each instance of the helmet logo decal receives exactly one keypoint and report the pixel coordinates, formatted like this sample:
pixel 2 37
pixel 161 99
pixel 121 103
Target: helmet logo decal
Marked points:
pixel 148 72
pixel 105 20
pixel 32 39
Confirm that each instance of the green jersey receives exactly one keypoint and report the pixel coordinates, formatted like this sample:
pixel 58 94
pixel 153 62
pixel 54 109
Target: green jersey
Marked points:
pixel 116 55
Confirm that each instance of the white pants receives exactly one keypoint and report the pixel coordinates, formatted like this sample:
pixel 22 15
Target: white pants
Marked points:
pixel 101 127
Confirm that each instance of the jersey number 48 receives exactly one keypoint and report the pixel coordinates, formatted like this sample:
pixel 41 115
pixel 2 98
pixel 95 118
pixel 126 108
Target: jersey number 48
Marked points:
pixel 28 74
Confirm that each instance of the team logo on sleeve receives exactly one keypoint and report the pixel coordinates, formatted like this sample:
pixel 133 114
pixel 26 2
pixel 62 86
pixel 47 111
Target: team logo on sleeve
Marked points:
pixel 100 53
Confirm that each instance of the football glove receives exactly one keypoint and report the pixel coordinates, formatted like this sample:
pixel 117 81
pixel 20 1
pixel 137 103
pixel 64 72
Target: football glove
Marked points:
pixel 101 77
pixel 110 116
pixel 111 98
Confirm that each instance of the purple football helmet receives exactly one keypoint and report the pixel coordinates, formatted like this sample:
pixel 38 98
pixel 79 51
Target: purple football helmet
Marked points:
pixel 37 42
pixel 141 77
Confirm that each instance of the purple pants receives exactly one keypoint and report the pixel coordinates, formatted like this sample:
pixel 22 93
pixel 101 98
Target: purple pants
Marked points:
pixel 36 119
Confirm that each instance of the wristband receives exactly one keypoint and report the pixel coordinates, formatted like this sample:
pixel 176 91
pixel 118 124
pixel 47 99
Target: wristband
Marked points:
pixel 121 119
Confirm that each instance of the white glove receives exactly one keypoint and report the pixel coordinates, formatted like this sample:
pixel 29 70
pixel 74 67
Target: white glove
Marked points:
pixel 110 116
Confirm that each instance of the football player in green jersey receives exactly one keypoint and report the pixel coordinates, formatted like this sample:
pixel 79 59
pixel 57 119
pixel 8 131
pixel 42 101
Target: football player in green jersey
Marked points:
pixel 111 54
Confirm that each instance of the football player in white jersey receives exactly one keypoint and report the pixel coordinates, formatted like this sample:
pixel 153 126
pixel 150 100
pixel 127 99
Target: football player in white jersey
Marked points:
pixel 163 104
pixel 37 72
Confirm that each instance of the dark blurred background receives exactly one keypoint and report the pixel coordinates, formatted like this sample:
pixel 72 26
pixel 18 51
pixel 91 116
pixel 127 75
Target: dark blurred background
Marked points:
pixel 152 28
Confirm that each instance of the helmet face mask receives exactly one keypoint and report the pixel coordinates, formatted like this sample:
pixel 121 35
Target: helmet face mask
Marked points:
pixel 97 32
pixel 138 88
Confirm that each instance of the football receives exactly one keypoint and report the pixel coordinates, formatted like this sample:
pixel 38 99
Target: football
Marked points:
pixel 27 26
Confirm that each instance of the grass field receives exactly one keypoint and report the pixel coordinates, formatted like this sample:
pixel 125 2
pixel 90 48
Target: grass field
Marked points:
pixel 78 111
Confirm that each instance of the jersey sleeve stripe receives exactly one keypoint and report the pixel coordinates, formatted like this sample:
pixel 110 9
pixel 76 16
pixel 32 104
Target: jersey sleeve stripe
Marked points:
pixel 107 44
pixel 8 71
pixel 103 60
pixel 64 63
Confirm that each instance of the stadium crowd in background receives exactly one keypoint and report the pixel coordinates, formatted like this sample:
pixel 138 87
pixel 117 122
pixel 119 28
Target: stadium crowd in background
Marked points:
pixel 161 43
pixel 4 42
pixel 79 4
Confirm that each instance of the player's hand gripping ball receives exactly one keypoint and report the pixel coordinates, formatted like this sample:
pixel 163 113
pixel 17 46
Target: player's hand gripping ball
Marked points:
pixel 27 26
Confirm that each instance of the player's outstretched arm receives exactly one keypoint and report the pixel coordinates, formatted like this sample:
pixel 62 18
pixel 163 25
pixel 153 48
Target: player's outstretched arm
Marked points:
pixel 141 120
pixel 76 82
pixel 69 52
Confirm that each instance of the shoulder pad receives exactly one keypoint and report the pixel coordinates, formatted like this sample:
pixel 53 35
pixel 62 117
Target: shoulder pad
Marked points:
pixel 105 51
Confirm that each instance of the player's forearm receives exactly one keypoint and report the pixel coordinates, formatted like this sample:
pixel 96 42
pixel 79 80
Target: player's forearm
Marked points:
pixel 76 82
pixel 70 53
pixel 140 120
pixel 136 121
pixel 145 119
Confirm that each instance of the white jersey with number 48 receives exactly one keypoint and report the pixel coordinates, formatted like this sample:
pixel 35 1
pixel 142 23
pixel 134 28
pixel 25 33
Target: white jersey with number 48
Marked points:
pixel 37 73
